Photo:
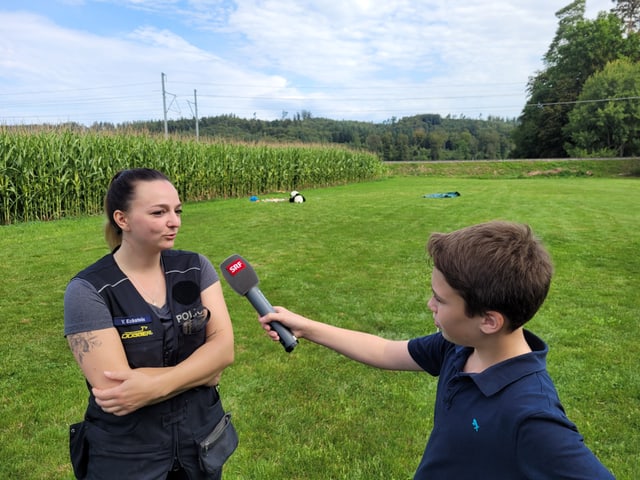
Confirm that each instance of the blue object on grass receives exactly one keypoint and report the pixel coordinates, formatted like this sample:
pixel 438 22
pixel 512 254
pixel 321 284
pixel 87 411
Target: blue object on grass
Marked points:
pixel 442 195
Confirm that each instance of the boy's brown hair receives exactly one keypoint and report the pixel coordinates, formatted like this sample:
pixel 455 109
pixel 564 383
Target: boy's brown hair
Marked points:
pixel 498 265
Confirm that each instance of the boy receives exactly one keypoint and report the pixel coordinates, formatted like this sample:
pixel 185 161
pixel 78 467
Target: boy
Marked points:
pixel 497 413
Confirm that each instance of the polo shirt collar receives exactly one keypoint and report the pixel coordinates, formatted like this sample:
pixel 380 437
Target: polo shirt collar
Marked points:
pixel 497 377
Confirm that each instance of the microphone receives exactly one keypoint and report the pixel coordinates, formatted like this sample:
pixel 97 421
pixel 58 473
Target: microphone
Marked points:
pixel 243 279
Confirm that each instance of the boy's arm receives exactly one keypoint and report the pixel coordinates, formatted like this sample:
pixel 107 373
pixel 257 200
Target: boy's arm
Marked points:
pixel 550 447
pixel 362 347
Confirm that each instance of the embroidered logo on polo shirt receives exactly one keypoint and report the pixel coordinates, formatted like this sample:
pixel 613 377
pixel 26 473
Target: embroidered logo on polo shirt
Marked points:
pixel 475 424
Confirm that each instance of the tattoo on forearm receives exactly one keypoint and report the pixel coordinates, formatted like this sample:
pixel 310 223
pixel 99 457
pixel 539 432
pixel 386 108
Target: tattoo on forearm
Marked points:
pixel 83 343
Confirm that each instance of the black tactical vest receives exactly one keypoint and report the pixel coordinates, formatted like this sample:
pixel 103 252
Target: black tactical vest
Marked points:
pixel 148 340
pixel 146 443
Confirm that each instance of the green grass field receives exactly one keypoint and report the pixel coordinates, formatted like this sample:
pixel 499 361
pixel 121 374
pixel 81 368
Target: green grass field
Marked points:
pixel 353 256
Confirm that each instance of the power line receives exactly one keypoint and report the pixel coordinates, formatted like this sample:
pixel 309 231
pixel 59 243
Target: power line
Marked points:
pixel 41 92
pixel 141 103
pixel 366 87
pixel 577 102
pixel 358 99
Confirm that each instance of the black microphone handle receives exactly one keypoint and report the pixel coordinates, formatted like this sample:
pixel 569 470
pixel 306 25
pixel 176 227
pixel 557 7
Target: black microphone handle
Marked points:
pixel 262 306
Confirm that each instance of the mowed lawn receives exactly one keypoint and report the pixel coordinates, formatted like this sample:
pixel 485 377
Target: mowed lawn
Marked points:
pixel 353 256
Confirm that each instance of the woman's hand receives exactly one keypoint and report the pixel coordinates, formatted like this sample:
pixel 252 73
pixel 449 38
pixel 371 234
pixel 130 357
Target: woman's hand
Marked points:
pixel 135 390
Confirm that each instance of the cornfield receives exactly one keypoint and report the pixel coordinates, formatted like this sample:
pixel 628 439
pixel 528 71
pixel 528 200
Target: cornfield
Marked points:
pixel 48 175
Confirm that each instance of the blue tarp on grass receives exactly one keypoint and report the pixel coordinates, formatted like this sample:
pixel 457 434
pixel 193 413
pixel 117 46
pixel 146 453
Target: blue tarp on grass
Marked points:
pixel 442 195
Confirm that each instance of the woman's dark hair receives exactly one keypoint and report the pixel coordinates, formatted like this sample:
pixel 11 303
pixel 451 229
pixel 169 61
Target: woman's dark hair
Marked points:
pixel 119 196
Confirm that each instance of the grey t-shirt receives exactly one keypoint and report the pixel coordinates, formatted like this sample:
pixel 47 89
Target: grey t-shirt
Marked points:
pixel 85 309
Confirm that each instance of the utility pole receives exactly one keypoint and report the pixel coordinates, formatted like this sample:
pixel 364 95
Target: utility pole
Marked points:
pixel 195 101
pixel 164 107
pixel 194 110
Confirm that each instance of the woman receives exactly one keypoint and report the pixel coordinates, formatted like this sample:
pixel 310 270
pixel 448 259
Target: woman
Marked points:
pixel 150 330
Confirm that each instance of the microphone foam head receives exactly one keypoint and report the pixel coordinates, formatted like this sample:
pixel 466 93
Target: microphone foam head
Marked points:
pixel 239 274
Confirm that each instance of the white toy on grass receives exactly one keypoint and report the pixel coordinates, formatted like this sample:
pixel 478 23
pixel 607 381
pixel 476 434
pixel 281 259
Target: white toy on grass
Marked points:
pixel 296 197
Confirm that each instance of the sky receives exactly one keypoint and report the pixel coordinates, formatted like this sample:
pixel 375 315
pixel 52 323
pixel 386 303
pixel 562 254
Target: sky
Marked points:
pixel 90 61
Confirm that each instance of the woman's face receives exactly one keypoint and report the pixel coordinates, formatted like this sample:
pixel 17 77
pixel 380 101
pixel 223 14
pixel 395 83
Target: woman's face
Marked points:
pixel 153 218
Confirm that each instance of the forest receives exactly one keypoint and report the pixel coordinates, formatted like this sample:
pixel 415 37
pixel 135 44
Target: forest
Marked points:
pixel 420 137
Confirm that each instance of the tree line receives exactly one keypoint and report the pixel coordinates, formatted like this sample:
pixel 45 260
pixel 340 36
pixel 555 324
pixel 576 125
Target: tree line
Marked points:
pixel 419 137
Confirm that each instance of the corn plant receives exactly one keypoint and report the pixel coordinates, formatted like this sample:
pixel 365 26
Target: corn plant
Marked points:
pixel 53 174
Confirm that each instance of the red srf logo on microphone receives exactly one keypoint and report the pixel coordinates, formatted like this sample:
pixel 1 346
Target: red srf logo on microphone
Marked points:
pixel 236 267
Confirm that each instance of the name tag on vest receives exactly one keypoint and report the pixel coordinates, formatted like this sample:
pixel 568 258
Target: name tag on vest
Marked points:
pixel 135 320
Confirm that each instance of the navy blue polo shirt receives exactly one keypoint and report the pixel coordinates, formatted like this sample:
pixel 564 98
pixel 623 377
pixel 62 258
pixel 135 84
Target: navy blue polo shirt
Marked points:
pixel 506 422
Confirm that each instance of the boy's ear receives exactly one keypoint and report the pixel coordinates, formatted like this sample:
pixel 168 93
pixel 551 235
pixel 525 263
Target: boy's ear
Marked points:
pixel 492 322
